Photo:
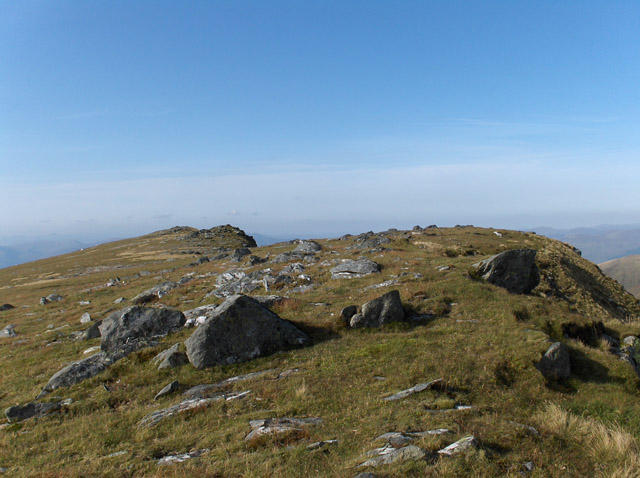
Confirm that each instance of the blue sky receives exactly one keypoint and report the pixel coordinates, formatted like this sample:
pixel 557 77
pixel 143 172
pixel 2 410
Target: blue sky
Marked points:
pixel 317 118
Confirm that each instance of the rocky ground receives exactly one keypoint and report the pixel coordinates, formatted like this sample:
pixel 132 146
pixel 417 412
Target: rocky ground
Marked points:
pixel 431 352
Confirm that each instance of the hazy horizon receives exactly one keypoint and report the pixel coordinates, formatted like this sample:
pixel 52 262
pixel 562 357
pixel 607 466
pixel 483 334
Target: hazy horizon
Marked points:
pixel 120 118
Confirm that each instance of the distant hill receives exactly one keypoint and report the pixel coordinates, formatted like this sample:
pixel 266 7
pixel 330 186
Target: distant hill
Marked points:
pixel 32 251
pixel 599 244
pixel 625 270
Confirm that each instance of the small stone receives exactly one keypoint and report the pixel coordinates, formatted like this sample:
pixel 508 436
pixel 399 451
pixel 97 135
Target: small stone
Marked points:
pixel 555 364
pixel 86 318
pixel 528 466
pixel 321 444
pixel 119 300
pixel 415 389
pixel 462 445
pixel 170 388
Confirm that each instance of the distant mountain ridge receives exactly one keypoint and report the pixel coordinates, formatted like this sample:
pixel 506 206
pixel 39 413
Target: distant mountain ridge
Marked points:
pixel 599 244
pixel 32 251
pixel 626 271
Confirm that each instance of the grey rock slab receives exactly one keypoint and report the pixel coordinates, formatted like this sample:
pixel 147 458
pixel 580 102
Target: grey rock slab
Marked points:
pixel 156 417
pixel 78 371
pixel 415 389
pixel 203 310
pixel 514 270
pixel 167 389
pixel 165 353
pixel 366 474
pixel 555 363
pixel 239 330
pixel 461 446
pixel 321 444
pixel 132 328
pixel 170 358
pixel 170 459
pixel 18 413
pixel 85 318
pixel 154 293
pixel 354 269
pixel 238 254
pixel 54 298
pixel 119 300
pixel 387 283
pixel 274 426
pixel 199 391
pixel 380 311
pixel 400 438
pixel 392 455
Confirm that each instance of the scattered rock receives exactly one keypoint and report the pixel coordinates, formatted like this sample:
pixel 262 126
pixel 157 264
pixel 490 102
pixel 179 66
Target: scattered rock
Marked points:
pixel 461 446
pixel 308 247
pixel 239 330
pixel 321 444
pixel 169 459
pixel 380 311
pixel 18 413
pixel 86 318
pixel 130 329
pixel 415 389
pixel 555 363
pixel 367 474
pixel 92 332
pixel 91 350
pixel 274 426
pixel 389 455
pixel 54 298
pixel 201 260
pixel 166 390
pixel 154 293
pixel 369 240
pixel 156 417
pixel 205 390
pixel 8 331
pixel 4 307
pixel 347 313
pixel 170 358
pixel 386 283
pixel 350 269
pixel 514 270
pixel 400 439
pixel 238 254
pixel 77 372
pixel 119 300
pixel 528 466
pixel 295 268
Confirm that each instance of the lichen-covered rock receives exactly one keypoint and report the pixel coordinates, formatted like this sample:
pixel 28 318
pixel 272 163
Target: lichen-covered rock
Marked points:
pixel 380 311
pixel 514 270
pixel 308 247
pixel 78 371
pixel 555 363
pixel 239 330
pixel 353 269
pixel 132 328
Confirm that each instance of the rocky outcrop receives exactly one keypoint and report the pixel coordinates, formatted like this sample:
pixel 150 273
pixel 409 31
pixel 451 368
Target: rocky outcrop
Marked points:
pixel 380 311
pixel 135 327
pixel 239 330
pixel 78 371
pixel 17 413
pixel 555 363
pixel 350 269
pixel 514 270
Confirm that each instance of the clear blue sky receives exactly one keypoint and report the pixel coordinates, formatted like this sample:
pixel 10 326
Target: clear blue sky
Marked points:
pixel 317 118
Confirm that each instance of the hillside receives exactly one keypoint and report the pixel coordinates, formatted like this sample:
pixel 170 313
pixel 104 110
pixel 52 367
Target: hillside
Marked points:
pixel 625 270
pixel 468 354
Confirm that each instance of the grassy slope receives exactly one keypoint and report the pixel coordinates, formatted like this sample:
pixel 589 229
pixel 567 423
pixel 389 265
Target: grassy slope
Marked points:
pixel 484 354
pixel 625 270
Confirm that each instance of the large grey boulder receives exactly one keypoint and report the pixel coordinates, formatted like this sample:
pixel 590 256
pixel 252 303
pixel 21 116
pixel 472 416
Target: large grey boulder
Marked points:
pixel 352 269
pixel 514 270
pixel 77 372
pixel 239 330
pixel 308 247
pixel 555 364
pixel 380 311
pixel 135 327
